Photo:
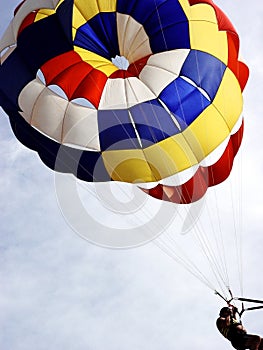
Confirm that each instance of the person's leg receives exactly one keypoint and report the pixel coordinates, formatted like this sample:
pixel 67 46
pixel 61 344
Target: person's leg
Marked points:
pixel 260 344
pixel 252 342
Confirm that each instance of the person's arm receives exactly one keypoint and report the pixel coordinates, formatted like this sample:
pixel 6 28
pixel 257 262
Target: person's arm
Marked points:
pixel 239 326
pixel 234 311
pixel 224 322
pixel 227 320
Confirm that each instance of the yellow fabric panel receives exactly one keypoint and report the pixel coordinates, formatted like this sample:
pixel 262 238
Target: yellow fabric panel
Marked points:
pixel 199 11
pixel 229 100
pixel 77 19
pixel 74 31
pixel 59 3
pixel 96 61
pixel 43 13
pixel 202 12
pixel 46 12
pixel 206 132
pixel 86 9
pixel 170 156
pixel 204 36
pixel 154 163
pixel 204 33
pixel 128 165
pixel 186 7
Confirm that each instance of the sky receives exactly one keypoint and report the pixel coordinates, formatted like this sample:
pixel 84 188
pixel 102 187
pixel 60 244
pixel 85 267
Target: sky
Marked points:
pixel 59 291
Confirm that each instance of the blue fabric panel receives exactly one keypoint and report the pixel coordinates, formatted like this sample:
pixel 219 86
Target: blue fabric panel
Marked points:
pixel 205 70
pixel 37 43
pixel 153 122
pixel 59 157
pixel 116 130
pixel 164 22
pixel 91 168
pixel 172 37
pixel 14 76
pixel 99 35
pixel 64 14
pixel 42 41
pixel 142 11
pixel 184 100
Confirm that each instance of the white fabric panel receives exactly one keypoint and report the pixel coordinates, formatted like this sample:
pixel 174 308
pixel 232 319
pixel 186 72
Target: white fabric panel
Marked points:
pixel 10 35
pixel 237 125
pixel 215 155
pixel 162 68
pixel 203 92
pixel 28 97
pixel 137 92
pixel 48 114
pixel 180 178
pixel 156 79
pixel 81 101
pixel 133 40
pixel 5 53
pixel 139 51
pixel 8 39
pixel 123 93
pixel 171 61
pixel 113 95
pixel 81 127
pixel 174 180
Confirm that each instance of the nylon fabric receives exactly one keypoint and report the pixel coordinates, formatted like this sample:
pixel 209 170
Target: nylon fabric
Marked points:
pixel 178 100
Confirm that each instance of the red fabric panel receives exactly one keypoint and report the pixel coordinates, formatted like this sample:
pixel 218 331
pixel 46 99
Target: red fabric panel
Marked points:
pixel 27 21
pixel 91 87
pixel 70 79
pixel 58 64
pixel 236 139
pixel 18 7
pixel 121 74
pixel 223 21
pixel 76 77
pixel 238 68
pixel 205 177
pixel 189 192
pixel 136 67
pixel 156 192
pixel 220 171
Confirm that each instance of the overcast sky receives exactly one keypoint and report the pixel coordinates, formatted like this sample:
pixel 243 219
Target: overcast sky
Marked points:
pixel 58 291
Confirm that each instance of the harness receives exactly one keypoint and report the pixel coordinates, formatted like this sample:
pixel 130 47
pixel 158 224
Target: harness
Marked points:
pixel 229 331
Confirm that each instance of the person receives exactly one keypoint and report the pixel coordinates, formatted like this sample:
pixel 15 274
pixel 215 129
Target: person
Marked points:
pixel 233 330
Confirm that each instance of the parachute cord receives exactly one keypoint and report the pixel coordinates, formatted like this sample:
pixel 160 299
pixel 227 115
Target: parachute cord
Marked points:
pixel 184 262
pixel 221 245
pixel 170 247
pixel 212 259
pixel 161 229
pixel 238 235
pixel 219 241
pixel 172 243
pixel 160 22
pixel 206 246
pixel 240 207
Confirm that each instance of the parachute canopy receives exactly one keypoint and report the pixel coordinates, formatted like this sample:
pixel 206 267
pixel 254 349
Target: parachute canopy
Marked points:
pixel 131 91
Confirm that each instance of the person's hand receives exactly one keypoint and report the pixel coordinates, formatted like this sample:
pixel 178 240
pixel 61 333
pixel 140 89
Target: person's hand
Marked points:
pixel 234 310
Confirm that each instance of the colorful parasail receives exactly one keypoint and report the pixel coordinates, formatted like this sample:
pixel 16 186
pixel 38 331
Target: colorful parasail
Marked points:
pixel 142 91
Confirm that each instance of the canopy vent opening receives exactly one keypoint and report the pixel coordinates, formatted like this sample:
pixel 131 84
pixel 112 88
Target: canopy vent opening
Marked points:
pixel 120 62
